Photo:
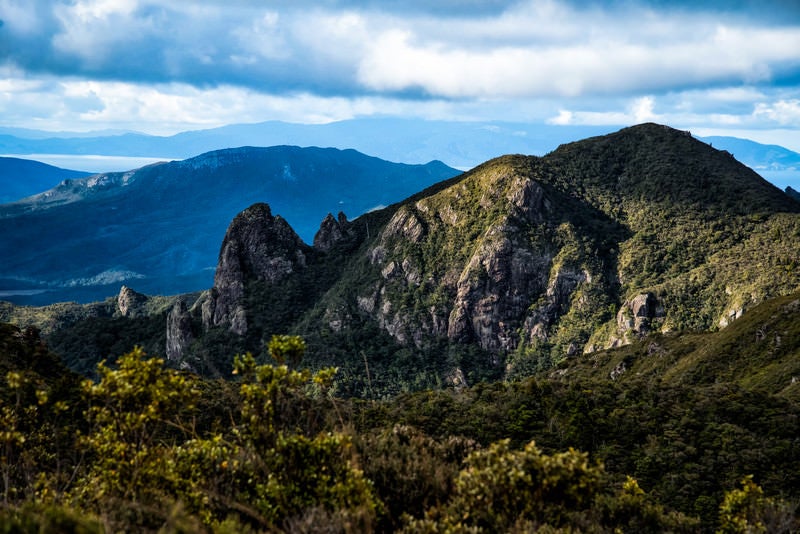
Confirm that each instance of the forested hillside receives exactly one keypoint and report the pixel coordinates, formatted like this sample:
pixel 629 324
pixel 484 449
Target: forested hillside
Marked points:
pixel 603 339
pixel 147 448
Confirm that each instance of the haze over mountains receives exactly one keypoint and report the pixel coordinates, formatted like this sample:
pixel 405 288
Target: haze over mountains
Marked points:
pixel 459 144
pixel 161 225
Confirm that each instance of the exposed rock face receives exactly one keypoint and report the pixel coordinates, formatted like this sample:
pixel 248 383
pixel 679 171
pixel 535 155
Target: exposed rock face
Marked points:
pixel 638 317
pixel 257 246
pixel 179 331
pixel 331 231
pixel 495 289
pixel 131 303
pixel 490 296
pixel 639 313
pixel 557 298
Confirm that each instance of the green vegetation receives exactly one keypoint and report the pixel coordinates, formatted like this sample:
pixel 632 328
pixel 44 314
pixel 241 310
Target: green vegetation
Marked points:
pixel 148 448
pixel 441 382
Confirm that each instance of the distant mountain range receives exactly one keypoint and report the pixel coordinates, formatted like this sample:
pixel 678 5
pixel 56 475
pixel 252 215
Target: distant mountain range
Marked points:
pixel 20 178
pixel 161 225
pixel 459 144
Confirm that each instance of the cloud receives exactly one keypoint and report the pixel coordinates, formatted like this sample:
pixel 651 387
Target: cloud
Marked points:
pixel 784 112
pixel 167 66
pixel 638 110
pixel 461 49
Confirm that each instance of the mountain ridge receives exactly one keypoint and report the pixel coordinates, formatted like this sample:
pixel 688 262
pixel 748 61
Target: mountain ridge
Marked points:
pixel 525 262
pixel 521 264
pixel 167 219
pixel 459 144
pixel 20 178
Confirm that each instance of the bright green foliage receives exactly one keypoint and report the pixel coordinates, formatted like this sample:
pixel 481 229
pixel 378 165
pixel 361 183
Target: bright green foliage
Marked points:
pixel 147 458
pixel 32 435
pixel 287 350
pixel 162 450
pixel 135 411
pixel 279 473
pixel 500 487
pixel 630 509
pixel 505 490
pixel 749 511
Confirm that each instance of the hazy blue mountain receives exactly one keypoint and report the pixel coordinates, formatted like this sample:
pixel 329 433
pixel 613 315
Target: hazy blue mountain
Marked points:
pixel 20 178
pixel 777 164
pixel 458 144
pixel 161 225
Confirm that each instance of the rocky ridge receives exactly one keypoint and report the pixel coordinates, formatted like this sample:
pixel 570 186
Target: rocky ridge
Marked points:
pixel 256 246
pixel 512 267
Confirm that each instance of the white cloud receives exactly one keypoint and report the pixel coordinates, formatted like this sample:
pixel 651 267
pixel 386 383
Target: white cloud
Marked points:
pixel 783 112
pixel 545 49
pixel 163 67
pixel 637 111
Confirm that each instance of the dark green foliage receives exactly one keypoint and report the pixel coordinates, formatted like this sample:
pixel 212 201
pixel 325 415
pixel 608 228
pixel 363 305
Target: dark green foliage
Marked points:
pixel 92 340
pixel 164 449
pixel 38 519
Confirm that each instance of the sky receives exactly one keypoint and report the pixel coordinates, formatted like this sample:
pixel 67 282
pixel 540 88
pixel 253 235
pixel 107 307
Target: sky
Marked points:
pixel 716 68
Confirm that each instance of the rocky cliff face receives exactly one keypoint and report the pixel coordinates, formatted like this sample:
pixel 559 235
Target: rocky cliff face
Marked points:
pixel 535 259
pixel 489 263
pixel 131 303
pixel 179 331
pixel 257 246
pixel 331 231
pixel 596 245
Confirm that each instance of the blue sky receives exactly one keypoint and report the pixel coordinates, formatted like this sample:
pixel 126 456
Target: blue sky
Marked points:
pixel 725 68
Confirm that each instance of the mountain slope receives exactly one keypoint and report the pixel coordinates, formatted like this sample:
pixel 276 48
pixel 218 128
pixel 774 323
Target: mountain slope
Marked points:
pixel 537 259
pixel 604 240
pixel 162 224
pixel 20 178
pixel 516 266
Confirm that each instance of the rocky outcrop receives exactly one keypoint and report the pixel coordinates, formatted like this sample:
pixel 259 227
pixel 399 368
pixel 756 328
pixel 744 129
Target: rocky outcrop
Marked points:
pixel 257 246
pixel 639 313
pixel 498 284
pixel 556 301
pixel 331 231
pixel 483 297
pixel 179 331
pixel 131 303
pixel 636 318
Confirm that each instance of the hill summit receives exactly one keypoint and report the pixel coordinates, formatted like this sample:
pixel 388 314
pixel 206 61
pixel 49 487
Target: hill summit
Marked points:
pixel 510 268
pixel 525 261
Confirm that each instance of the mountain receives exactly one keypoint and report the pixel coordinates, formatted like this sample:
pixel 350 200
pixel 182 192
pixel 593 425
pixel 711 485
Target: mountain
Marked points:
pixel 757 155
pixel 638 291
pixel 20 178
pixel 460 144
pixel 519 265
pixel 777 164
pixel 161 225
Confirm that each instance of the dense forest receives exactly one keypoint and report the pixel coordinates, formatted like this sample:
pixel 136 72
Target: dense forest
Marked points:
pixel 149 448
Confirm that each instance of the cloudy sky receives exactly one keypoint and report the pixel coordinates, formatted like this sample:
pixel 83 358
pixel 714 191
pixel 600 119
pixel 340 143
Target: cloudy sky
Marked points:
pixel 728 67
